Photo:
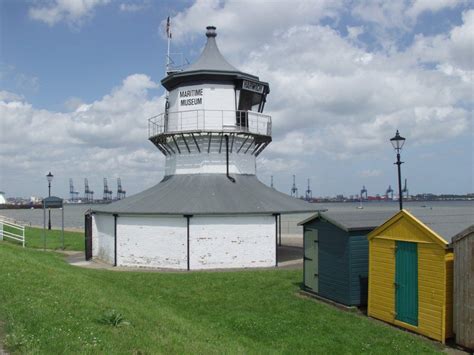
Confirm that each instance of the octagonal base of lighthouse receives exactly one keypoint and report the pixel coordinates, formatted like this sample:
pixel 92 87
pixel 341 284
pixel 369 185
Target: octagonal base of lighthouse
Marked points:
pixel 193 222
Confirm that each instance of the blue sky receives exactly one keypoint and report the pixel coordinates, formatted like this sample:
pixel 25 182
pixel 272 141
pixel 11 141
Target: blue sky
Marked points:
pixel 78 80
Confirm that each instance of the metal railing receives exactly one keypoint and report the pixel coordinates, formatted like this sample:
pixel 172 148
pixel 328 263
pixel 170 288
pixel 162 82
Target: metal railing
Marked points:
pixel 210 120
pixel 10 229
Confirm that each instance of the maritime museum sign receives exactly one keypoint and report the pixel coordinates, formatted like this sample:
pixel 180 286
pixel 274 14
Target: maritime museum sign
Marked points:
pixel 190 97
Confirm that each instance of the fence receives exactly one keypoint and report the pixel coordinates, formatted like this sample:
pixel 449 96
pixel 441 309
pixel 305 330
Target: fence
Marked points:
pixel 11 229
pixel 210 120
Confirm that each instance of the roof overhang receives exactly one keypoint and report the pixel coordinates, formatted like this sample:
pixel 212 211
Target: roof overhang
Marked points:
pixel 179 78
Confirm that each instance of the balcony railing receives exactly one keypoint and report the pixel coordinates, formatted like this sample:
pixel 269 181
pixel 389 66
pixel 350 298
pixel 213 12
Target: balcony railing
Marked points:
pixel 210 121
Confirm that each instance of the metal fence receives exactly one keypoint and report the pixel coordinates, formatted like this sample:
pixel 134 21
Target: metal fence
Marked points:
pixel 210 120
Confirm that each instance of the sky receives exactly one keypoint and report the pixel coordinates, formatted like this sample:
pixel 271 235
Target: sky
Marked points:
pixel 80 78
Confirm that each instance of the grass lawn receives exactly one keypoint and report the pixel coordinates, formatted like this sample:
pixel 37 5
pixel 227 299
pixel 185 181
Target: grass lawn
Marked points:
pixel 34 239
pixel 51 307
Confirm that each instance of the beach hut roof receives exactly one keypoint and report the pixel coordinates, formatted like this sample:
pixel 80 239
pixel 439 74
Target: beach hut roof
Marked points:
pixel 352 220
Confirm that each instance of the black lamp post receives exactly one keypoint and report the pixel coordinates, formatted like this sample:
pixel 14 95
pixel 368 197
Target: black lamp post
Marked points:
pixel 397 143
pixel 50 178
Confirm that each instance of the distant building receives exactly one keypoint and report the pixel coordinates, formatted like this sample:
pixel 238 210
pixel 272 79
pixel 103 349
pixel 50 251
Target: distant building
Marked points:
pixel 3 200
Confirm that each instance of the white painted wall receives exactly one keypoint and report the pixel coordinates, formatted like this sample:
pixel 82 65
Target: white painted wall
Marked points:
pixel 216 107
pixel 214 97
pixel 158 241
pixel 232 242
pixel 103 237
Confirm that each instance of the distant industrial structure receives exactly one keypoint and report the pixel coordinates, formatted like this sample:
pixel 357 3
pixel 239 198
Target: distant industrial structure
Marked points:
pixel 309 193
pixel 88 193
pixel 388 193
pixel 294 189
pixel 107 196
pixel 74 195
pixel 120 192
pixel 405 190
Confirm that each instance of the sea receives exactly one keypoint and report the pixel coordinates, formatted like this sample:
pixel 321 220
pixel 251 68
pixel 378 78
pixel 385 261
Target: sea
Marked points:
pixel 74 213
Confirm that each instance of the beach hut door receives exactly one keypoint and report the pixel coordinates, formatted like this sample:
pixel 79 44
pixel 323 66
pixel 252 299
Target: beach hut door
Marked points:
pixel 311 259
pixel 406 282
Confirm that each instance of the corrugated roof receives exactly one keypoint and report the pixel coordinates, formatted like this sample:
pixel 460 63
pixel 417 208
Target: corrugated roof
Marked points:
pixel 353 220
pixel 208 194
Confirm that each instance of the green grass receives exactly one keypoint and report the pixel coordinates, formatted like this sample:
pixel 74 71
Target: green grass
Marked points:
pixel 34 239
pixel 50 307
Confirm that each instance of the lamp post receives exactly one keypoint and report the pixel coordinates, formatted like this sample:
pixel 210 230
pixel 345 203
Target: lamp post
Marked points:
pixel 397 143
pixel 49 177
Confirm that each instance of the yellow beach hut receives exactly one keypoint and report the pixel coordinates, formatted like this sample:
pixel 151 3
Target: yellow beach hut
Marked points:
pixel 411 269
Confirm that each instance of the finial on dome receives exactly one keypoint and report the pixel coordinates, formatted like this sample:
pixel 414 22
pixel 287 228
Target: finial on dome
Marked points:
pixel 211 31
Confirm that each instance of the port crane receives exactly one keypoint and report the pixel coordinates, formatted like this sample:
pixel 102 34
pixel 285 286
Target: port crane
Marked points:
pixel 107 193
pixel 309 193
pixel 363 193
pixel 294 189
pixel 74 194
pixel 389 192
pixel 405 189
pixel 88 193
pixel 120 192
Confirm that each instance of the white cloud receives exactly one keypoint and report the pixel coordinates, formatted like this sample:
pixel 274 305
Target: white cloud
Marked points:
pixel 134 6
pixel 455 48
pixel 254 21
pixel 9 96
pixel 420 6
pixel 73 12
pixel 103 138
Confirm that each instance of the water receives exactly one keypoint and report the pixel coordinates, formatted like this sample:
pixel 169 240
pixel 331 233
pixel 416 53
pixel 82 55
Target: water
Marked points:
pixel 74 213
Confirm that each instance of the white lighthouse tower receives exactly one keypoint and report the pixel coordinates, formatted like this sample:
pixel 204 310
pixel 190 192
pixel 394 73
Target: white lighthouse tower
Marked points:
pixel 210 210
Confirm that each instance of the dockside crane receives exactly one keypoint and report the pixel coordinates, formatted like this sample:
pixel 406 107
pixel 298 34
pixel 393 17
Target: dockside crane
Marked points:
pixel 389 191
pixel 88 193
pixel 74 194
pixel 120 192
pixel 363 192
pixel 107 193
pixel 294 189
pixel 309 193
pixel 405 189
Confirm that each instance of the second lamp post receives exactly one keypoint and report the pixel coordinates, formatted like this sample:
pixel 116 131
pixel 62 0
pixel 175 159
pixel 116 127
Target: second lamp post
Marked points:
pixel 397 143
pixel 50 178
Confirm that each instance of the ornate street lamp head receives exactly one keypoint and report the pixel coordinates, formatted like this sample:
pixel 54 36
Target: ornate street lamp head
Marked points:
pixel 49 177
pixel 397 141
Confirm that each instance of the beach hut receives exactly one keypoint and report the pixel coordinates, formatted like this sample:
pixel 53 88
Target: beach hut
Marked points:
pixel 336 254
pixel 463 245
pixel 411 270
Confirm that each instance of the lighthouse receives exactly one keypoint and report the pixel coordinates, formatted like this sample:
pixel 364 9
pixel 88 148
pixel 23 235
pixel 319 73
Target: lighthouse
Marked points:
pixel 209 211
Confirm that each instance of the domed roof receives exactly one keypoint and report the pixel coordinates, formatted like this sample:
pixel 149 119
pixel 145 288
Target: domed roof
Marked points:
pixel 211 65
pixel 205 194
pixel 211 58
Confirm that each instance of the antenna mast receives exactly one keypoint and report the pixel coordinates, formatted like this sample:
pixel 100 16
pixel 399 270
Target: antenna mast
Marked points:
pixel 167 70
